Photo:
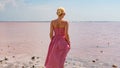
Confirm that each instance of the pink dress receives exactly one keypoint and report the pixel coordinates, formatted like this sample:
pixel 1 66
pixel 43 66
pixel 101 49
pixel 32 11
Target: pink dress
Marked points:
pixel 58 50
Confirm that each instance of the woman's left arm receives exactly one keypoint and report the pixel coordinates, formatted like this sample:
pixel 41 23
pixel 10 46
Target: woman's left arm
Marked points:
pixel 51 30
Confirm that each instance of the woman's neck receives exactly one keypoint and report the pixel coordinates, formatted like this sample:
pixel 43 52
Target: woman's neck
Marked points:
pixel 59 19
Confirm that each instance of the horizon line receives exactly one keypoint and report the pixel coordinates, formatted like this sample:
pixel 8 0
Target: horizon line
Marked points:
pixel 50 21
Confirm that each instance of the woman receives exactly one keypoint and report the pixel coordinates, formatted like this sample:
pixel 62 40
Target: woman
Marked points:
pixel 60 43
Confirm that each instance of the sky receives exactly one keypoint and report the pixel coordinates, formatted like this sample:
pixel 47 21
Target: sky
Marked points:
pixel 45 10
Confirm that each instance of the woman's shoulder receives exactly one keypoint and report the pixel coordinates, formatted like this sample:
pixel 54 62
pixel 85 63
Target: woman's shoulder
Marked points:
pixel 53 21
pixel 65 21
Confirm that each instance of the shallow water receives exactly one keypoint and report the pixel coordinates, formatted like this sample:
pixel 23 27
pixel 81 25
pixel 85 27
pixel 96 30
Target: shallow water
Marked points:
pixel 89 41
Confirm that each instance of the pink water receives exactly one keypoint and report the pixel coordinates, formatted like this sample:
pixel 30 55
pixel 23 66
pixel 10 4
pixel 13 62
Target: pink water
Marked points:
pixel 89 40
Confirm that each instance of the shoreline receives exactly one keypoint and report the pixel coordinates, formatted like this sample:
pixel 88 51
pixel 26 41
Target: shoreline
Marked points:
pixel 38 62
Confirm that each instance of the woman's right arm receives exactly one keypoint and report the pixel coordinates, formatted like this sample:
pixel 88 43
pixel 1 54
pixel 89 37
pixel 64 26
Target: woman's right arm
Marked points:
pixel 66 33
pixel 51 30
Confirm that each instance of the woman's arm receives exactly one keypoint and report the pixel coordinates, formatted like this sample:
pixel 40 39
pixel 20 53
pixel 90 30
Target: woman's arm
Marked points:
pixel 66 33
pixel 51 30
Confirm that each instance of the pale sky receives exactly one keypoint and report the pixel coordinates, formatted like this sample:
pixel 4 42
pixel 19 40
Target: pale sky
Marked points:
pixel 45 10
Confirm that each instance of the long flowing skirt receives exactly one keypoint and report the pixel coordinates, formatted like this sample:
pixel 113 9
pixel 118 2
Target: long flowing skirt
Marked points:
pixel 57 52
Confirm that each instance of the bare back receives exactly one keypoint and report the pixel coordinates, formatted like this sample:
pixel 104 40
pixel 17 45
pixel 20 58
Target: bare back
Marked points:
pixel 59 24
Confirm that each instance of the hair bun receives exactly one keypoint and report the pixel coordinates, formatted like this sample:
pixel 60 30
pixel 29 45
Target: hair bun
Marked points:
pixel 60 10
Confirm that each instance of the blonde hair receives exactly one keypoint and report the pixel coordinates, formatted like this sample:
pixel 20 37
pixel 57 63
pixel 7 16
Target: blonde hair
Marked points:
pixel 60 11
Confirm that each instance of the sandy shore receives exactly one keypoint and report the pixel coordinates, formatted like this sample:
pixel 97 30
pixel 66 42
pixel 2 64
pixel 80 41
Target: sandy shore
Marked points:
pixel 13 57
pixel 24 61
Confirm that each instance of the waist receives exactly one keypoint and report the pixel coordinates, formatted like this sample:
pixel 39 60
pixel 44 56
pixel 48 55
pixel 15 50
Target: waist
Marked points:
pixel 57 35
